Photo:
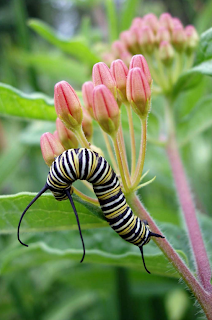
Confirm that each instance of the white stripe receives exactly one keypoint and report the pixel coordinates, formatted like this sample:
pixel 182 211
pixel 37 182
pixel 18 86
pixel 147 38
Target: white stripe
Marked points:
pixel 112 202
pixel 98 171
pixel 68 169
pixel 121 220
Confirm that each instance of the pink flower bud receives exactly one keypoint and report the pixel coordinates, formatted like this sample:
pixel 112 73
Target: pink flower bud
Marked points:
pixel 106 110
pixel 118 47
pixel 67 105
pixel 166 20
pixel 138 92
pixel 128 38
pixel 152 21
pixel 177 22
pixel 102 75
pixel 87 95
pixel 178 38
pixel 138 61
pixel 87 125
pixel 137 22
pixel 119 71
pixel 55 134
pixel 192 37
pixel 135 34
pixel 126 57
pixel 163 34
pixel 107 57
pixel 147 39
pixel 166 52
pixel 66 137
pixel 50 147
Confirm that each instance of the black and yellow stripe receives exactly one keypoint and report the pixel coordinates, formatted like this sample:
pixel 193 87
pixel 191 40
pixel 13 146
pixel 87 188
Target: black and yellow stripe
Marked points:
pixel 85 164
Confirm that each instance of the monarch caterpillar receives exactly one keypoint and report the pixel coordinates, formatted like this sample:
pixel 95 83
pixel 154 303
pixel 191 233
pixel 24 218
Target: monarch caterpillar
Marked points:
pixel 85 164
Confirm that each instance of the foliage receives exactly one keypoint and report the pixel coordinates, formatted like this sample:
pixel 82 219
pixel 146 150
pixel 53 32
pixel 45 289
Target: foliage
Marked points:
pixel 51 261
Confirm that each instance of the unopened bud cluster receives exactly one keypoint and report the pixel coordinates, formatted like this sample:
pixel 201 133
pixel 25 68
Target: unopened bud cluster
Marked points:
pixel 160 40
pixel 102 98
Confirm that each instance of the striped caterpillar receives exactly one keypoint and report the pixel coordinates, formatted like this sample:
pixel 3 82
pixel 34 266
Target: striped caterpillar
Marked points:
pixel 85 164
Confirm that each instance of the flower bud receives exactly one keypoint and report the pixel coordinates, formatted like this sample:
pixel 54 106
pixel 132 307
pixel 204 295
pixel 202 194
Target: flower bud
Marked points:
pixel 146 39
pixel 137 22
pixel 101 74
pixel 106 110
pixel 128 38
pixel 166 52
pixel 107 57
pixel 118 47
pixel 87 95
pixel 138 92
pixel 152 21
pixel 177 22
pixel 50 147
pixel 166 20
pixel 192 37
pixel 138 61
pixel 87 125
pixel 126 57
pixel 66 137
pixel 67 105
pixel 119 71
pixel 178 38
pixel 163 34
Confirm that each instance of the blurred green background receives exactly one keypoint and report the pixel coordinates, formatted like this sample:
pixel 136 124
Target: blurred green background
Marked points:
pixel 45 283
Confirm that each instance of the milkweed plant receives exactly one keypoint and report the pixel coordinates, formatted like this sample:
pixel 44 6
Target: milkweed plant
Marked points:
pixel 147 60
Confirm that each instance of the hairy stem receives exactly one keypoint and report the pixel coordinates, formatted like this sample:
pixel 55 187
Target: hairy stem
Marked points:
pixel 132 138
pixel 84 197
pixel 119 157
pixel 188 207
pixel 202 296
pixel 142 154
pixel 81 138
pixel 110 151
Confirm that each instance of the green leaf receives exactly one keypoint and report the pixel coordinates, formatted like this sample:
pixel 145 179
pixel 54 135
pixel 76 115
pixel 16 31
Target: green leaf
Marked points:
pixel 46 214
pixel 205 47
pixel 193 76
pixel 103 246
pixel 9 160
pixel 76 47
pixel 54 64
pixel 26 106
pixel 129 10
pixel 198 120
pixel 112 20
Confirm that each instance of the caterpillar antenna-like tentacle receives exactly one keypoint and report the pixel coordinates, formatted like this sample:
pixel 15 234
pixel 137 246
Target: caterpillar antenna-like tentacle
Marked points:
pixel 77 218
pixel 46 187
pixel 142 254
pixel 152 234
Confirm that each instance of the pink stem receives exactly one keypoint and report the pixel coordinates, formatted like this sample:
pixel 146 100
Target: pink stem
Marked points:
pixel 188 209
pixel 187 205
pixel 202 296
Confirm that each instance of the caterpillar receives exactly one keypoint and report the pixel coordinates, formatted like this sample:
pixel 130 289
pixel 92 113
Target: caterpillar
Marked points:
pixel 85 164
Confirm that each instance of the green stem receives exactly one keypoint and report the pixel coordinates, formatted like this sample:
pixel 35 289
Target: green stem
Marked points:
pixel 81 138
pixel 119 157
pixel 84 197
pixel 110 151
pixel 142 154
pixel 132 138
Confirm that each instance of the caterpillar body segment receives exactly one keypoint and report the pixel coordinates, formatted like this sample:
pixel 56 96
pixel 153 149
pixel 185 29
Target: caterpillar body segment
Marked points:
pixel 85 164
